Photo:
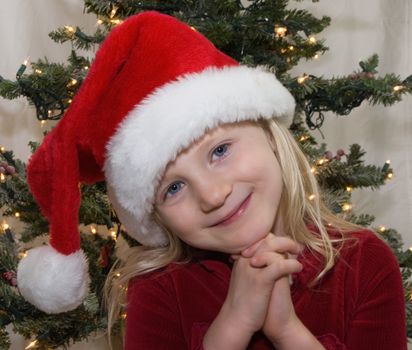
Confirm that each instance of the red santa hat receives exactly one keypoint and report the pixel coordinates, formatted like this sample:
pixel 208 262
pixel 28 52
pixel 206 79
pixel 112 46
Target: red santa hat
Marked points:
pixel 156 85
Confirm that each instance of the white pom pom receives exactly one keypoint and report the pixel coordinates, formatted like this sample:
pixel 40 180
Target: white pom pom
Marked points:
pixel 51 281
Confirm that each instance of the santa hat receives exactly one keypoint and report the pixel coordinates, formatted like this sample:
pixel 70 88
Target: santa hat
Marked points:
pixel 155 86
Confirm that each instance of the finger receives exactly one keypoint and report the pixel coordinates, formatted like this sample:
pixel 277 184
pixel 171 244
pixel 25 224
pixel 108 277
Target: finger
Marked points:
pixel 276 262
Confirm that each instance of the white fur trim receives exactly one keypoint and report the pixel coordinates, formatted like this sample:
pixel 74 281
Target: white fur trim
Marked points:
pixel 169 120
pixel 51 281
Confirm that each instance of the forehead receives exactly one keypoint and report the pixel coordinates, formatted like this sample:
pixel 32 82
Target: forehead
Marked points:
pixel 209 137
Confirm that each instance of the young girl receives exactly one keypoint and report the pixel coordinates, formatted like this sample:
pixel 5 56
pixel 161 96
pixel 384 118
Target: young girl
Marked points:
pixel 237 250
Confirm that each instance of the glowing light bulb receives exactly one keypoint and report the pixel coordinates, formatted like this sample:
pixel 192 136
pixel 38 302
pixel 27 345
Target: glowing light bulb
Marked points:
pixel 17 214
pixel 31 345
pixel 5 226
pixel 70 29
pixel 113 12
pixel 348 188
pixel 93 230
pixel 397 88
pixel 117 274
pixel 312 40
pixel 193 28
pixel 389 176
pixel 382 228
pixel 312 197
pixel 2 149
pixel 313 170
pixel 316 56
pixel 280 31
pixel 346 207
pixel 38 71
pixel 99 21
pixel 303 78
pixel 291 47
pixel 2 177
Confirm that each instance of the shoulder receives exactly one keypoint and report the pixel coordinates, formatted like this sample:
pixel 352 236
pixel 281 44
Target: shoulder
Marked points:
pixel 366 245
pixel 366 256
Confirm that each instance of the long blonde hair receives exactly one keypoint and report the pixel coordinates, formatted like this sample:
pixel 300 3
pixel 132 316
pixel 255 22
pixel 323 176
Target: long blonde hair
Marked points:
pixel 301 205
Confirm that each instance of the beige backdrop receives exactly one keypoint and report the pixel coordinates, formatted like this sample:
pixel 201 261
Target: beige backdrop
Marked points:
pixel 359 29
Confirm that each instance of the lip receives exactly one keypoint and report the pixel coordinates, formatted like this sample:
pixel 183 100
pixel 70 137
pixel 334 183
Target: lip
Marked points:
pixel 235 214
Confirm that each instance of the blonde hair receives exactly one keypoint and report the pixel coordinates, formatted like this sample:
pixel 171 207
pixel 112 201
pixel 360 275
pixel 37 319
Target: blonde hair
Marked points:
pixel 301 206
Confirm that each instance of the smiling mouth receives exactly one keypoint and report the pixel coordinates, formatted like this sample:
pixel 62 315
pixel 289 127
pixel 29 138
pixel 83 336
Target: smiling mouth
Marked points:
pixel 233 216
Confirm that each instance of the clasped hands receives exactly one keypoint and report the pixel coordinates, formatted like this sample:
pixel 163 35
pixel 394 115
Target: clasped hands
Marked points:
pixel 259 293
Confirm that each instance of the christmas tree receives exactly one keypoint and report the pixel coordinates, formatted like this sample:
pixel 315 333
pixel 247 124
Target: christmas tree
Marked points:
pixel 267 33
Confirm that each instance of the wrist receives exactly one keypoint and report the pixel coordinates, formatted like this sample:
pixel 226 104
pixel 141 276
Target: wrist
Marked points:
pixel 296 336
pixel 226 333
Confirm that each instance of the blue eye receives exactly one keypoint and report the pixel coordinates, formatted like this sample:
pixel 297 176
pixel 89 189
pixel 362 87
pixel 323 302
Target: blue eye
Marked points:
pixel 174 188
pixel 220 151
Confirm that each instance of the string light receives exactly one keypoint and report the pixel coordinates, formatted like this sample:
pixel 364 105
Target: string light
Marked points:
pixel 312 197
pixel 5 226
pixel 17 214
pixel 303 138
pixel 313 170
pixel 382 228
pixel 113 11
pixel 38 71
pixel 99 21
pixel 398 88
pixel 316 56
pixel 72 82
pixel 117 274
pixel 124 315
pixel 69 101
pixel 303 78
pixel 291 47
pixel 86 67
pixel 116 21
pixel 70 29
pixel 22 68
pixel 410 249
pixel 346 207
pixel 321 161
pixel 280 31
pixel 193 28
pixel 283 50
pixel 348 189
pixel 31 345
pixel 42 123
pixel 22 255
pixel 113 234
pixel 93 230
pixel 2 177
pixel 312 40
pixel 2 149
pixel 389 176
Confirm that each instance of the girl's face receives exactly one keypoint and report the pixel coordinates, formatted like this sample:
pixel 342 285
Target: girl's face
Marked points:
pixel 223 192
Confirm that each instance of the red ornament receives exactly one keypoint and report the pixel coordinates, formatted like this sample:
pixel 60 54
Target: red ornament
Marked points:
pixel 328 155
pixel 10 169
pixel 10 278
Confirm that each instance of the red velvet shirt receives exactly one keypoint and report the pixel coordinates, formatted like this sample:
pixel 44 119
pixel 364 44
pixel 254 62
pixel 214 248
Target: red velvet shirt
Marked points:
pixel 358 305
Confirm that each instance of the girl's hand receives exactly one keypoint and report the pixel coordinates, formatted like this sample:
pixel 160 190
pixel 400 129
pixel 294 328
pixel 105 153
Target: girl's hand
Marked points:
pixel 250 291
pixel 281 317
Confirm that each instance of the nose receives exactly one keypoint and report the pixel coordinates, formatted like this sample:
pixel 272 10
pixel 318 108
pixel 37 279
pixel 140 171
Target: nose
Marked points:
pixel 212 192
